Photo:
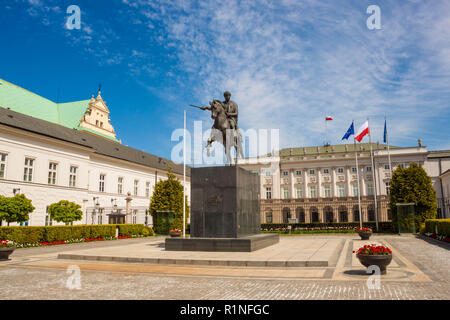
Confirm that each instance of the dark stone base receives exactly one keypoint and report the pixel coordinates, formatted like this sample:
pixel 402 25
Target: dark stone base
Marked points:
pixel 243 244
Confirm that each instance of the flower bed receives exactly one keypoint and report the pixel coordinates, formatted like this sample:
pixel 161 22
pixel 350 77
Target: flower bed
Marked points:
pixel 443 238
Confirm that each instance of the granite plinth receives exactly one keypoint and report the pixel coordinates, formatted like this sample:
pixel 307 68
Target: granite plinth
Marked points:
pixel 241 244
pixel 224 202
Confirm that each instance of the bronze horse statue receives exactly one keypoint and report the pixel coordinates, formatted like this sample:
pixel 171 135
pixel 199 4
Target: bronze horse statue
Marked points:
pixel 222 131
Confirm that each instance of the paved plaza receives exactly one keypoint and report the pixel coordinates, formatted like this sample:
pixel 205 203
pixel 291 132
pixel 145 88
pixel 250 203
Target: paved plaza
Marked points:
pixel 299 267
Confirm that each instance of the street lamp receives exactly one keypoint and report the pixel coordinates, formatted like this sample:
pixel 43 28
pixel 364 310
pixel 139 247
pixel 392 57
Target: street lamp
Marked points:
pixel 16 191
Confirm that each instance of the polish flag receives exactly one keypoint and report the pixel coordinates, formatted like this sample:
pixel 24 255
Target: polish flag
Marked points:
pixel 362 131
pixel 328 118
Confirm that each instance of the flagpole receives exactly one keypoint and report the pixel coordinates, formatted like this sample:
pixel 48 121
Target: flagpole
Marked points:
pixel 184 176
pixel 388 149
pixel 373 176
pixel 357 171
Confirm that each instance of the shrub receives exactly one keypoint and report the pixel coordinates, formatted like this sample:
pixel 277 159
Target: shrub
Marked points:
pixel 442 226
pixel 168 197
pixel 412 184
pixel 15 209
pixel 319 226
pixel 131 229
pixel 34 235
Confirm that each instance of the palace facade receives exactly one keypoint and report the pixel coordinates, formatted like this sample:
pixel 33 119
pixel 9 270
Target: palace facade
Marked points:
pixel 69 151
pixel 319 184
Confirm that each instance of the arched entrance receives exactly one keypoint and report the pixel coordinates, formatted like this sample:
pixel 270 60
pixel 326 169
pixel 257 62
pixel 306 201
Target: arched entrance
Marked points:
pixel 343 214
pixel 370 213
pixel 328 214
pixel 300 215
pixel 314 214
pixel 286 215
pixel 356 213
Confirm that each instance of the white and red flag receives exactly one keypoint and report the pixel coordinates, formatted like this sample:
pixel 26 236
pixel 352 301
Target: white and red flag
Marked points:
pixel 328 118
pixel 362 131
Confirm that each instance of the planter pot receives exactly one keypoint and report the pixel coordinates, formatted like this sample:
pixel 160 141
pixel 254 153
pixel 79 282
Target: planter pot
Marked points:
pixel 175 234
pixel 365 235
pixel 5 252
pixel 382 261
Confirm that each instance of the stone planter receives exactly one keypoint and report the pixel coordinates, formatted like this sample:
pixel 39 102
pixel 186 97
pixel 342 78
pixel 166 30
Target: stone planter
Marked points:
pixel 365 235
pixel 382 261
pixel 5 252
pixel 175 234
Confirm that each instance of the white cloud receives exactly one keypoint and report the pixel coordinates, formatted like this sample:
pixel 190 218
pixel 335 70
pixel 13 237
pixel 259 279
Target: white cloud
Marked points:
pixel 289 64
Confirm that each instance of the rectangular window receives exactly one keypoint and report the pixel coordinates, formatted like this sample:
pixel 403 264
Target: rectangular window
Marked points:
pixel 327 191
pixel 100 216
pixel 340 170
pixel 355 190
pixel 134 216
pixel 369 169
pixel 136 187
pixel 101 185
pixel 299 192
pixel 312 171
pixel 285 192
pixel 48 221
pixel 52 173
pixel 73 176
pixel 298 172
pixel 354 170
pixel 341 190
pixel 269 193
pixel 370 190
pixel 326 171
pixel 386 167
pixel 313 191
pixel 147 189
pixel 268 173
pixel 28 170
pixel 285 173
pixel 120 185
pixel 3 165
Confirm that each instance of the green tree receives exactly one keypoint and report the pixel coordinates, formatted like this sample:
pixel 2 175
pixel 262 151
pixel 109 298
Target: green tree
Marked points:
pixel 168 196
pixel 412 184
pixel 15 209
pixel 65 211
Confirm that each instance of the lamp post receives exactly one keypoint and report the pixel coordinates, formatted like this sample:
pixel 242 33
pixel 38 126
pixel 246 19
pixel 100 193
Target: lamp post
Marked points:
pixel 16 191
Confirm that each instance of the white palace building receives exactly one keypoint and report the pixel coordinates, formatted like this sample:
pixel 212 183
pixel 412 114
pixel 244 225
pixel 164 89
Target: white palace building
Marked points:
pixel 69 151
pixel 319 184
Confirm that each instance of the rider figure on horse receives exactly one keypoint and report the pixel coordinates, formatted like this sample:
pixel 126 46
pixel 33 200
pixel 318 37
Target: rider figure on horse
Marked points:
pixel 231 109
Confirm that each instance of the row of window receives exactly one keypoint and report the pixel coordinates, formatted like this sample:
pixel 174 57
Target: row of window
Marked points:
pixel 326 191
pixel 328 215
pixel 327 171
pixel 101 186
pixel 28 172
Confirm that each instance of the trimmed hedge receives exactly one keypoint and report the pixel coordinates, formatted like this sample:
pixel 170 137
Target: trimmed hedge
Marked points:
pixel 442 226
pixel 32 235
pixel 383 226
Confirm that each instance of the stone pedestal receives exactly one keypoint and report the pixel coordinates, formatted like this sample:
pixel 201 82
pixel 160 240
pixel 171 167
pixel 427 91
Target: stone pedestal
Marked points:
pixel 224 212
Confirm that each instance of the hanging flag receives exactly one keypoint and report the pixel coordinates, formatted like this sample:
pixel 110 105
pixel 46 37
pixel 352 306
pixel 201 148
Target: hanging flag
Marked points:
pixel 385 132
pixel 328 118
pixel 349 132
pixel 362 131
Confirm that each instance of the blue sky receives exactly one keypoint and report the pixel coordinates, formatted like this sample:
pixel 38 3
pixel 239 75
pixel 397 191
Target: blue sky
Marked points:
pixel 288 64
